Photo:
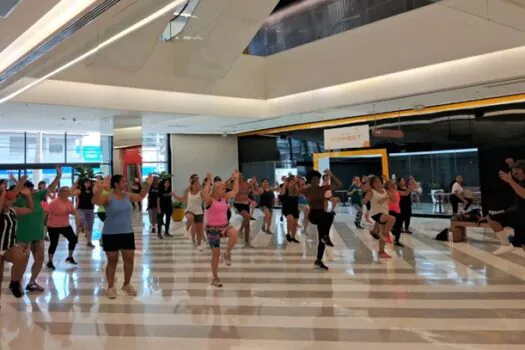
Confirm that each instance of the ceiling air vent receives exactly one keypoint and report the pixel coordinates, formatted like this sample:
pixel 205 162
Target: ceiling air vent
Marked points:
pixel 55 40
pixel 7 6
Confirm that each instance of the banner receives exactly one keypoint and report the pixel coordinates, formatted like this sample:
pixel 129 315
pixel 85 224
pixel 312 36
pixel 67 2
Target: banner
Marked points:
pixel 349 137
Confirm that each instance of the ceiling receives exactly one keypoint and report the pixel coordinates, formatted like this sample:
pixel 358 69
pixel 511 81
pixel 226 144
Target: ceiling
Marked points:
pixel 452 51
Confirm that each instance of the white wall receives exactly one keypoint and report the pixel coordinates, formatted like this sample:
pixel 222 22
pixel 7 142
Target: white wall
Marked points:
pixel 198 154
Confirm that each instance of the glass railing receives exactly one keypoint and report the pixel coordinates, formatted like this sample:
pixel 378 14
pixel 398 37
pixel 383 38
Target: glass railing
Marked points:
pixel 181 16
pixel 311 20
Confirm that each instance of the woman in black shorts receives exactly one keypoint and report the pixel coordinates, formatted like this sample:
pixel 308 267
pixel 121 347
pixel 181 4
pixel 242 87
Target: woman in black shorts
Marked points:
pixel 290 199
pixel 266 203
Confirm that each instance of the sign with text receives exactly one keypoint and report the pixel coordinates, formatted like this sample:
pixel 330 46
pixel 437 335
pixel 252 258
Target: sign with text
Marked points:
pixel 349 137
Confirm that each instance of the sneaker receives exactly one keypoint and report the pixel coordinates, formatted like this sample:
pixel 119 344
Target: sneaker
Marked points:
pixel 34 287
pixel 399 244
pixel 320 265
pixel 253 219
pixel 326 240
pixel 383 255
pixel 216 282
pixel 269 232
pixel 227 256
pixel 50 265
pixel 388 239
pixel 46 238
pixel 407 231
pixel 16 288
pixel 295 240
pixel 153 230
pixel 129 290
pixel 112 293
pixel 288 238
pixel 358 226
pixel 503 249
pixel 90 245
pixel 71 260
pixel 167 234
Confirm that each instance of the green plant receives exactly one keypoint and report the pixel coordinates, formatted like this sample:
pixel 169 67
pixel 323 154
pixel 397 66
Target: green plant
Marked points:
pixel 178 205
pixel 435 185
pixel 164 175
pixel 85 172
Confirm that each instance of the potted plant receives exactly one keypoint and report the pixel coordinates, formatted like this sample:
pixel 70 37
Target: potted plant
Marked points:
pixel 178 211
pixel 83 172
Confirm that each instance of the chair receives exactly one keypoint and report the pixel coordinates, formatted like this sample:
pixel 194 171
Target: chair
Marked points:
pixel 437 200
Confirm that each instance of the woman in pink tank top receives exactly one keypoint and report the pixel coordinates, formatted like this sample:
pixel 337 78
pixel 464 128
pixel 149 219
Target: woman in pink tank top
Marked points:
pixel 217 226
pixel 394 197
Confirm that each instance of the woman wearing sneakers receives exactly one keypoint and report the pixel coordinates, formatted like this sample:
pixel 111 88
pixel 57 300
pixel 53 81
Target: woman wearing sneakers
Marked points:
pixel 58 212
pixel 117 233
pixel 290 193
pixel 378 198
pixel 394 209
pixel 217 226
pixel 318 215
pixel 195 212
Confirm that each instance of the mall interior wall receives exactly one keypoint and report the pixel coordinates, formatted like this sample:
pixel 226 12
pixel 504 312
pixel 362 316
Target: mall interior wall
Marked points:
pixel 199 154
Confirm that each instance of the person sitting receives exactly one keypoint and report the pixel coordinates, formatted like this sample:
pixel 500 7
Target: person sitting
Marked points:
pixel 513 216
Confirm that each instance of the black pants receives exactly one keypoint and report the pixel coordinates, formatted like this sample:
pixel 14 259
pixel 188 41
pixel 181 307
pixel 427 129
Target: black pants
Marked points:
pixel 406 214
pixel 164 218
pixel 54 235
pixel 455 200
pixel 396 229
pixel 324 221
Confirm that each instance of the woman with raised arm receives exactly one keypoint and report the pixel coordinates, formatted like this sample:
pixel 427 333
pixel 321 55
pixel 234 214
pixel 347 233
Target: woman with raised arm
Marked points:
pixel 216 202
pixel 165 206
pixel 195 212
pixel 318 215
pixel 86 209
pixel 117 233
pixel 16 254
pixel 266 203
pixel 378 198
pixel 59 211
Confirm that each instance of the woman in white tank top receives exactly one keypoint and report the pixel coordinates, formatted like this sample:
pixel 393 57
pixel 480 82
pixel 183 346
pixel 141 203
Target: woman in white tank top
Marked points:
pixel 378 198
pixel 195 213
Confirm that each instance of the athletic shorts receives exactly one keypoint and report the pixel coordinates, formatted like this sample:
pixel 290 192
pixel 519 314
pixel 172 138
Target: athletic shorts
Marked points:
pixel 262 207
pixel 377 218
pixel 199 218
pixel 117 242
pixel 242 207
pixel 293 211
pixel 215 233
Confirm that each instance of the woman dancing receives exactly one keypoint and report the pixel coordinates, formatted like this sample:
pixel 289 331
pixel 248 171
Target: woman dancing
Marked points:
pixel 303 205
pixel 266 203
pixel 394 198
pixel 378 199
pixel 195 212
pixel 86 210
pixel 165 208
pixel 318 215
pixel 242 205
pixel 216 202
pixel 290 193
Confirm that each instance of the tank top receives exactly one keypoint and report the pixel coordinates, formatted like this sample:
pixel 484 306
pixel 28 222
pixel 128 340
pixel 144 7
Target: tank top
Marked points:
pixel 195 204
pixel 378 203
pixel 394 206
pixel 267 199
pixel 216 214
pixel 84 200
pixel 118 216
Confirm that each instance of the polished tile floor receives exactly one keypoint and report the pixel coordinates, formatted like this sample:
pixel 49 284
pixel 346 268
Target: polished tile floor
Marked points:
pixel 432 295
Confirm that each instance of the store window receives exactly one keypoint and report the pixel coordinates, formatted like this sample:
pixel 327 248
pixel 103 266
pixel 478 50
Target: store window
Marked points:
pixel 154 153
pixel 12 147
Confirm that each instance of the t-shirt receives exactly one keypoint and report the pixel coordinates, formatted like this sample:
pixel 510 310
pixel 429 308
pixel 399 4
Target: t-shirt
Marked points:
pixel 357 196
pixel 58 212
pixel 30 227
pixel 153 195
pixel 457 188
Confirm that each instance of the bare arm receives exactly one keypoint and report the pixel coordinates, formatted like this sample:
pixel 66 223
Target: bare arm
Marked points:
pixel 206 192
pixel 338 183
pixel 53 185
pixel 139 197
pixel 98 197
pixel 235 188
pixel 368 197
pixel 507 177
pixel 77 220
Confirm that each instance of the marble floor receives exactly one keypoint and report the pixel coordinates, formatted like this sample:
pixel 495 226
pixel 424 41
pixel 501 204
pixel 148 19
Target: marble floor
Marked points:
pixel 431 295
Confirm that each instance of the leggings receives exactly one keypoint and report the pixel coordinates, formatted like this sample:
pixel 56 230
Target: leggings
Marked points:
pixel 396 229
pixel 455 200
pixel 153 216
pixel 54 235
pixel 406 214
pixel 324 221
pixel 358 213
pixel 165 212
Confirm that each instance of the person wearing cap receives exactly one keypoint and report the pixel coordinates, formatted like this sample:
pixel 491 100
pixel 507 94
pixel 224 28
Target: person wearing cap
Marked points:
pixel 9 250
pixel 30 228
pixel 512 217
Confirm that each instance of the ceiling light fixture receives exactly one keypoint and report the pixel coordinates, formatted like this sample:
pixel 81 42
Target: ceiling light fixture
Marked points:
pixel 49 23
pixel 163 11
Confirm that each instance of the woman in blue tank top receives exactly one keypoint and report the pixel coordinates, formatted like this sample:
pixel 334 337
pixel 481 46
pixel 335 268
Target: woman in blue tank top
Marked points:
pixel 117 233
